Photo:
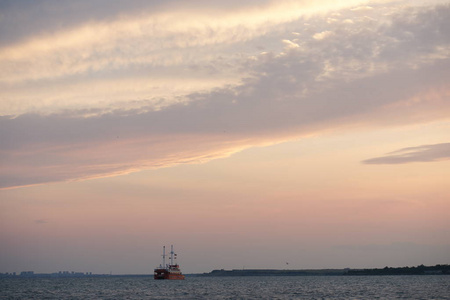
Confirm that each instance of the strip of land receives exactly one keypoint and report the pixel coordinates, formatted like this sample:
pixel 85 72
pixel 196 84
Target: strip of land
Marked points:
pixel 419 270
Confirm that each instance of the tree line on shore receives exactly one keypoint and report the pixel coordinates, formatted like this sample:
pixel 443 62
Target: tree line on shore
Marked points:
pixel 419 270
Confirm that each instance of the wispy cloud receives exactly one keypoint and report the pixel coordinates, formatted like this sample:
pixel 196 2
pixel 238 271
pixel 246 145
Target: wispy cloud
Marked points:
pixel 424 153
pixel 162 52
pixel 292 83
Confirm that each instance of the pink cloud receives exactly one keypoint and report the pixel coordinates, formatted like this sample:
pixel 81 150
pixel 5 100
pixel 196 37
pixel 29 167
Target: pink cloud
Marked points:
pixel 290 94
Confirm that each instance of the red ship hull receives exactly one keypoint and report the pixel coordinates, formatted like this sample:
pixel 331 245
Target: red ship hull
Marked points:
pixel 166 274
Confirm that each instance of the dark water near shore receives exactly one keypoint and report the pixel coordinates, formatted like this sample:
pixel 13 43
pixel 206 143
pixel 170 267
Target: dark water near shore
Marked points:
pixel 302 287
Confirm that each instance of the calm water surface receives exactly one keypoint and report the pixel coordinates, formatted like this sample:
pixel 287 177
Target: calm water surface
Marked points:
pixel 303 287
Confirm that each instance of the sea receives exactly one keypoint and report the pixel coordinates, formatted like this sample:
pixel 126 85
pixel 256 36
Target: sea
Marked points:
pixel 258 287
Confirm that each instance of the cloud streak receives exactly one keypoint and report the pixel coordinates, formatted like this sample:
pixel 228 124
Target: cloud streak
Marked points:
pixel 360 73
pixel 208 44
pixel 424 153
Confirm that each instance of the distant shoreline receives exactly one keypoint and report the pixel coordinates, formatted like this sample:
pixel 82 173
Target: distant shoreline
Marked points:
pixel 419 270
pixel 31 274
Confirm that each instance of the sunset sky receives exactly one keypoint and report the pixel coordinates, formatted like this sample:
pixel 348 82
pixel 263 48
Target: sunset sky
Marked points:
pixel 248 134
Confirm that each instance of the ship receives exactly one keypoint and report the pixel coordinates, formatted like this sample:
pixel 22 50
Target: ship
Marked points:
pixel 170 271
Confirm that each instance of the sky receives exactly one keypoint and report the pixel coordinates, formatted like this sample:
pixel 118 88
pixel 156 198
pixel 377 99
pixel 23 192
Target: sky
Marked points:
pixel 248 134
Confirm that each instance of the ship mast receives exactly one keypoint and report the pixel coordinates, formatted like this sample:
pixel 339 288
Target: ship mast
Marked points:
pixel 171 255
pixel 164 256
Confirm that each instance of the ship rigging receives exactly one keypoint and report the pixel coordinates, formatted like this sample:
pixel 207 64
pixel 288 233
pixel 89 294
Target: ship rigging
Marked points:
pixel 168 271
